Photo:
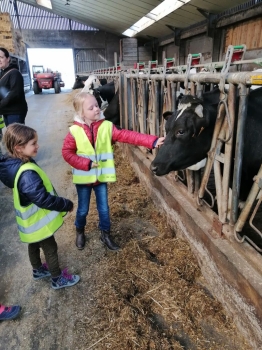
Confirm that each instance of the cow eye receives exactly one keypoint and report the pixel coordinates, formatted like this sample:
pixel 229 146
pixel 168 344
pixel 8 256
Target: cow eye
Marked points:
pixel 180 132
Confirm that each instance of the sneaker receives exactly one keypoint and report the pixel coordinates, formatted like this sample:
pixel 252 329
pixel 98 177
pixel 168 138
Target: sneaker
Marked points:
pixel 65 280
pixel 42 272
pixel 9 312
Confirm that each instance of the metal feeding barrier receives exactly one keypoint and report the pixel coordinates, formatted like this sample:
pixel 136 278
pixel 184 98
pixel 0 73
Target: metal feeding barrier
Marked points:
pixel 146 91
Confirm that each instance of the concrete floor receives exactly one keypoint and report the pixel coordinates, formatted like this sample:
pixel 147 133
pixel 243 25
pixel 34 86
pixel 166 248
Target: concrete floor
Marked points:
pixel 50 116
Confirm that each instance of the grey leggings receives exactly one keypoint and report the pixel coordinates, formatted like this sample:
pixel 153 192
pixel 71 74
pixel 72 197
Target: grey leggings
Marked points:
pixel 49 247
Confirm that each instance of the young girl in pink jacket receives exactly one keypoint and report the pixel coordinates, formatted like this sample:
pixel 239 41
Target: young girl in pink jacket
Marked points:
pixel 88 149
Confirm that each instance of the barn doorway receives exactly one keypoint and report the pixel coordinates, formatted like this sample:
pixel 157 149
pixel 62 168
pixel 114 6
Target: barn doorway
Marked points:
pixel 60 60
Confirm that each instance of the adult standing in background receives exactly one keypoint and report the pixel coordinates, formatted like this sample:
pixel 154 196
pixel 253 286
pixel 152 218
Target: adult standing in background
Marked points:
pixel 13 105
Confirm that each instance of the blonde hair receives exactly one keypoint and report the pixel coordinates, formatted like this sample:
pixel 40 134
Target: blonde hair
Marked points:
pixel 78 102
pixel 18 135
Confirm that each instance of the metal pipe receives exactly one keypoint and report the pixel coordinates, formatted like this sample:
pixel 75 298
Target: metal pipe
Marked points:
pixel 212 151
pixel 242 116
pixel 145 103
pixel 247 78
pixel 228 152
pixel 249 202
pixel 133 119
pixel 157 109
pixel 173 96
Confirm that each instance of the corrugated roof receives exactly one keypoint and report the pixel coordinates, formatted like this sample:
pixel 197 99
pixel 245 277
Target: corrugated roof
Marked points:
pixel 116 16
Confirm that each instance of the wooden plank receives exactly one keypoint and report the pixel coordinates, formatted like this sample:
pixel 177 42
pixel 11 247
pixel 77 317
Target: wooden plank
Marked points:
pixel 229 36
pixel 260 41
pixel 244 34
pixel 238 34
pixel 257 32
pixel 249 35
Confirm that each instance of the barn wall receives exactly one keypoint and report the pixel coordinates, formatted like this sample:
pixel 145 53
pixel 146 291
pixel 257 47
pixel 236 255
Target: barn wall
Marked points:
pixel 196 44
pixel 144 53
pixel 170 49
pixel 128 51
pixel 200 44
pixel 74 39
pixel 248 33
pixel 232 271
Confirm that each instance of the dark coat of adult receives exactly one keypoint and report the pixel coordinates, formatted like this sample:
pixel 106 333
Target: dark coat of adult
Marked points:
pixel 30 186
pixel 12 95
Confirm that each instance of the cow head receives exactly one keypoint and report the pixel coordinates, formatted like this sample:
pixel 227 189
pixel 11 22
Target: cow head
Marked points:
pixel 188 136
pixel 78 84
pixel 92 83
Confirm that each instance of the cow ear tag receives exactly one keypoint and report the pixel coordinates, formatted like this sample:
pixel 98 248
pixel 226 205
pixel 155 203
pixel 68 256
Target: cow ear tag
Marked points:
pixel 199 110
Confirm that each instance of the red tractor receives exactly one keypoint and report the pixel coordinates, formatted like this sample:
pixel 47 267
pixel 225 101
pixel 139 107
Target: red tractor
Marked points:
pixel 46 79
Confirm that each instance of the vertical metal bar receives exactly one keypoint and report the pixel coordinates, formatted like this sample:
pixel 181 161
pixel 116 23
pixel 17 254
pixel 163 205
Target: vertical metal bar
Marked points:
pixel 173 96
pixel 121 98
pixel 145 103
pixel 127 101
pixel 157 109
pixel 249 203
pixel 242 116
pixel 228 152
pixel 133 105
pixel 211 153
pixel 192 88
pixel 190 181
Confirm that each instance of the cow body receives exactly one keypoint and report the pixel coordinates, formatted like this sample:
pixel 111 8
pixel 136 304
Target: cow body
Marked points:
pixel 112 112
pixel 106 92
pixel 189 136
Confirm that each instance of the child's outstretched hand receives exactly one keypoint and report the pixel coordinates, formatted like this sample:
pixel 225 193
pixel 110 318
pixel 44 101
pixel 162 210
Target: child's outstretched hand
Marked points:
pixel 94 165
pixel 160 142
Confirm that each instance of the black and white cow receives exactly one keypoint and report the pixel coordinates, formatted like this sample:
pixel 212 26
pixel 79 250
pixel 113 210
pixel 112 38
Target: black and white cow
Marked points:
pixel 107 98
pixel 112 112
pixel 79 82
pixel 107 93
pixel 189 134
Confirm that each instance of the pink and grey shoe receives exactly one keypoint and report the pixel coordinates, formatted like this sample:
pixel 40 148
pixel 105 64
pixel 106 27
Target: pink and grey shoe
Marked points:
pixel 65 280
pixel 42 272
pixel 9 312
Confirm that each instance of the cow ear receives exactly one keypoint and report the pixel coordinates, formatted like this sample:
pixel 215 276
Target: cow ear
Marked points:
pixel 167 114
pixel 199 110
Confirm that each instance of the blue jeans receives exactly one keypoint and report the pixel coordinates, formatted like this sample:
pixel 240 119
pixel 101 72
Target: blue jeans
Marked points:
pixel 14 118
pixel 84 194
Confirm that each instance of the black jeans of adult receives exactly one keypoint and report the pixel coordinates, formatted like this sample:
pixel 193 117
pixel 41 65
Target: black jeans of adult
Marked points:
pixel 49 247
pixel 14 118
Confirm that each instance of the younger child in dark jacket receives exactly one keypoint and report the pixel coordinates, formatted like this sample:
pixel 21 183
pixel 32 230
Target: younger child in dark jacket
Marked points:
pixel 39 210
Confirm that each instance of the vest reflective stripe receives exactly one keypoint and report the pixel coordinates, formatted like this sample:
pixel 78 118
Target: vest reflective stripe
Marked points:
pixel 101 154
pixel 39 224
pixel 35 224
pixel 31 210
pixel 2 122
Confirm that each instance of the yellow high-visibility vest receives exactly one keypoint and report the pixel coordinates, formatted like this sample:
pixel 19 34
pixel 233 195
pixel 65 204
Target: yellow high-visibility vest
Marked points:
pixel 35 224
pixel 2 122
pixel 102 154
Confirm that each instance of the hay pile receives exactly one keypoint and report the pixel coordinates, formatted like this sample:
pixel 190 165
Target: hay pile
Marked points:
pixel 151 294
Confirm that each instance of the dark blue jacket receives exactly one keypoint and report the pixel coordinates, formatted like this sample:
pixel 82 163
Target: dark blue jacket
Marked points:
pixel 30 186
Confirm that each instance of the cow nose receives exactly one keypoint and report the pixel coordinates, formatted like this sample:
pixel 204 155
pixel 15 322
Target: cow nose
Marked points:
pixel 153 169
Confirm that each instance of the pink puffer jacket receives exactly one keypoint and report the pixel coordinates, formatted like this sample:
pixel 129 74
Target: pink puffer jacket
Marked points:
pixel 125 136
